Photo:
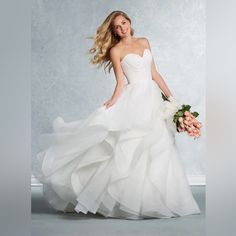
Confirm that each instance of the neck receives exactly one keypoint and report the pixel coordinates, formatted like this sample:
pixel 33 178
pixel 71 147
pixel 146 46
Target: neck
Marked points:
pixel 127 40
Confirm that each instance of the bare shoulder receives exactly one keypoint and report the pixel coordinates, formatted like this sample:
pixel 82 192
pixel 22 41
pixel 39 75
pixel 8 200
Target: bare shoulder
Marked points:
pixel 144 42
pixel 115 52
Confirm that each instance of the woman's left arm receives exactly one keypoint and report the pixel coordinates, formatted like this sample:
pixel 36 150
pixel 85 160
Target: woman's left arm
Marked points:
pixel 157 77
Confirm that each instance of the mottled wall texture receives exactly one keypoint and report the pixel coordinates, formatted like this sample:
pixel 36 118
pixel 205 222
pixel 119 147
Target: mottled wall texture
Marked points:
pixel 65 84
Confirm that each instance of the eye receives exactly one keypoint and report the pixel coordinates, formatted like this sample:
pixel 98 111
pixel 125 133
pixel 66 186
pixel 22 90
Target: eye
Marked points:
pixel 123 22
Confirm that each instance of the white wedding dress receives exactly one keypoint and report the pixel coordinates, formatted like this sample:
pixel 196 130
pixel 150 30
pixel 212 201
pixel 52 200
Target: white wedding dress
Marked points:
pixel 120 162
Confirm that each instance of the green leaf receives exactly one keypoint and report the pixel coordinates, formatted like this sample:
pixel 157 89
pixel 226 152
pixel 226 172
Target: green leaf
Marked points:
pixel 177 129
pixel 186 107
pixel 195 114
pixel 180 113
pixel 164 97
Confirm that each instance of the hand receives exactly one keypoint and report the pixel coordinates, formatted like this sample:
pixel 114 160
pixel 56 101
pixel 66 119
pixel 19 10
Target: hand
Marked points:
pixel 109 103
pixel 174 102
pixel 170 107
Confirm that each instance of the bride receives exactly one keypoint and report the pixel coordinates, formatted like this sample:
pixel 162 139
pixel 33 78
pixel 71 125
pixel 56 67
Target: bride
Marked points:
pixel 121 161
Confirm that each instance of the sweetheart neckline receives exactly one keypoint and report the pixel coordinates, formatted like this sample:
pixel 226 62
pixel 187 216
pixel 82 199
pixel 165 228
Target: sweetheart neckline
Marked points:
pixel 135 54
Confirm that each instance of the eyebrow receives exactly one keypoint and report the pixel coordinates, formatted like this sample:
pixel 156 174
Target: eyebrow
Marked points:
pixel 121 22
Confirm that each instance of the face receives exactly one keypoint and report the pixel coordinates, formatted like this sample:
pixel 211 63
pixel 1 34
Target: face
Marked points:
pixel 121 26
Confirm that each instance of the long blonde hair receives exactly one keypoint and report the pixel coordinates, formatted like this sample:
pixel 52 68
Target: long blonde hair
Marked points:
pixel 105 39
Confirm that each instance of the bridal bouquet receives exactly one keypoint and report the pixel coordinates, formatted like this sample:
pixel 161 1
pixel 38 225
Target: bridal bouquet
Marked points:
pixel 183 118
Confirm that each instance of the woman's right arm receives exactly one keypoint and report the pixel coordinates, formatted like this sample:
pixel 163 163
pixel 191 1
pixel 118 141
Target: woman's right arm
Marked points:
pixel 119 75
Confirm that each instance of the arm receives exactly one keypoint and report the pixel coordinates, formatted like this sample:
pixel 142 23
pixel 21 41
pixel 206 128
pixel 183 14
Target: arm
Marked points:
pixel 158 78
pixel 160 81
pixel 115 59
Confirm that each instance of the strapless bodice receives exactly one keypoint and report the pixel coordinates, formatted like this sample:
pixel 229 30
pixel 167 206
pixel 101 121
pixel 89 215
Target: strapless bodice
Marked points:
pixel 137 69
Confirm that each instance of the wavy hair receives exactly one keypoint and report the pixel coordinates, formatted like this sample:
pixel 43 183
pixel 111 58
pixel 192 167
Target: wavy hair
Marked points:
pixel 105 39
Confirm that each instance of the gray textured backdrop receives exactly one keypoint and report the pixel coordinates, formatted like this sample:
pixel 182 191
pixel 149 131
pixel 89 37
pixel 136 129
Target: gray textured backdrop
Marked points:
pixel 65 84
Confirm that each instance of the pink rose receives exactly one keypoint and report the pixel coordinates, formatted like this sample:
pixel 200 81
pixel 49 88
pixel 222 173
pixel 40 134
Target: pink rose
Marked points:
pixel 199 125
pixel 187 113
pixel 180 129
pixel 195 131
pixel 186 122
pixel 190 128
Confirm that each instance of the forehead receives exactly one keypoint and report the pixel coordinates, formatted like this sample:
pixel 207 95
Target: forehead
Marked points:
pixel 118 20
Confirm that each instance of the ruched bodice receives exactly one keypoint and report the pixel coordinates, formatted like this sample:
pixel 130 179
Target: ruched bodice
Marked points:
pixel 137 68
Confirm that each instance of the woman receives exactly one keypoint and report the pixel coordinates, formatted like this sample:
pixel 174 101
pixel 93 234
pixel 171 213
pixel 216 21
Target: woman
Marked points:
pixel 121 161
pixel 114 50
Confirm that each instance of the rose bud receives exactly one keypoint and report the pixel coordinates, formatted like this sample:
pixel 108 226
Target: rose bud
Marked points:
pixel 199 125
pixel 186 122
pixel 190 120
pixel 187 113
pixel 191 128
